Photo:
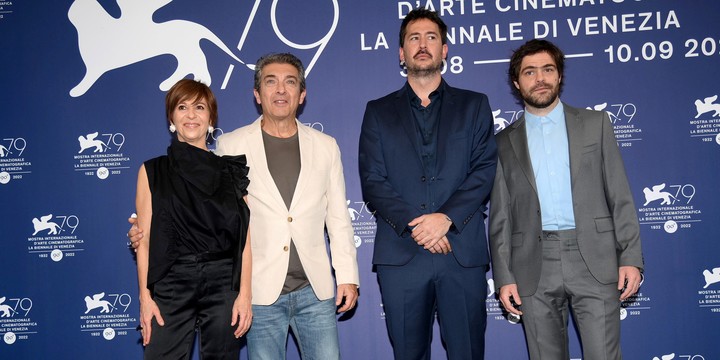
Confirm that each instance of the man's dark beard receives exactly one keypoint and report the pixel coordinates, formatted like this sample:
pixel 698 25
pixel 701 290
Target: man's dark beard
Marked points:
pixel 426 72
pixel 539 105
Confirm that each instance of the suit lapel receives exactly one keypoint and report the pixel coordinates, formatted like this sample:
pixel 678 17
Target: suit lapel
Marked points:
pixel 260 173
pixel 575 130
pixel 305 138
pixel 403 113
pixel 518 141
pixel 445 123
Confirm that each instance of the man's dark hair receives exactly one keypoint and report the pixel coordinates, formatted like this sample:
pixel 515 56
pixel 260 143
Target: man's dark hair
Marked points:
pixel 282 58
pixel 533 47
pixel 422 13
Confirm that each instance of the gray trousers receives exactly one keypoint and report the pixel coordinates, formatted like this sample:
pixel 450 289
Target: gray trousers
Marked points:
pixel 566 281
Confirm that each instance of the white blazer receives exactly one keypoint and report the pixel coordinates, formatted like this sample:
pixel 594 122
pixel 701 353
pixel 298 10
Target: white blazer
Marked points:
pixel 319 201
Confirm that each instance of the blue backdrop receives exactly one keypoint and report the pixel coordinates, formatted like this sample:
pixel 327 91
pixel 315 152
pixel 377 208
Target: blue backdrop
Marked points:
pixel 81 106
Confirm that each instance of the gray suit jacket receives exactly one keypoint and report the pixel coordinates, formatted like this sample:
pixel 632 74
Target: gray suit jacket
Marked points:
pixel 605 219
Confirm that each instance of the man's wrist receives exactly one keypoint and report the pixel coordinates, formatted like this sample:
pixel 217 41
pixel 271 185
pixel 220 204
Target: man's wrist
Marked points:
pixel 451 224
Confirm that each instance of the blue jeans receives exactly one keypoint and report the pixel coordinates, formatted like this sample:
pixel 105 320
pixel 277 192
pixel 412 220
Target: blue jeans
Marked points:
pixel 312 321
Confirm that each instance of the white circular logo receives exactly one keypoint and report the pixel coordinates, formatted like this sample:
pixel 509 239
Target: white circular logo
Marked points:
pixel 358 241
pixel 109 333
pixel 717 138
pixel 102 173
pixel 9 337
pixel 513 318
pixel 623 313
pixel 56 255
pixel 670 226
pixel 4 177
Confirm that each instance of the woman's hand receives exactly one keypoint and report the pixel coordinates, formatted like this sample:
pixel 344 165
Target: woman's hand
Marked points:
pixel 148 310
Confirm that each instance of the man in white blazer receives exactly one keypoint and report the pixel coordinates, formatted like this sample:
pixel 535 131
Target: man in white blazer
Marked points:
pixel 297 189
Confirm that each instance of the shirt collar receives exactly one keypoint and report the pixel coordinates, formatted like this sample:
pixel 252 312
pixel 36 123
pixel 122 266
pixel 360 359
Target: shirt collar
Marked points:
pixel 555 116
pixel 435 96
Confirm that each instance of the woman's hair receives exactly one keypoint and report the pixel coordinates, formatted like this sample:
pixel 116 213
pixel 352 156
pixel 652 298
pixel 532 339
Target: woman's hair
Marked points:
pixel 187 89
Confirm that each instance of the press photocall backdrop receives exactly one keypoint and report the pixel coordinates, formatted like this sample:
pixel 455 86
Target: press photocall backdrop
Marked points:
pixel 82 106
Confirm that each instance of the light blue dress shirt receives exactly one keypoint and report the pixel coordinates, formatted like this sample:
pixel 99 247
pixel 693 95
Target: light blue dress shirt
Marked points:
pixel 550 155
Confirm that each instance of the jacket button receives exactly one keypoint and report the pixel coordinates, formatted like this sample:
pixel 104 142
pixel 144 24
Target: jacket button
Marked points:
pixel 285 248
pixel 422 178
pixel 290 219
pixel 422 206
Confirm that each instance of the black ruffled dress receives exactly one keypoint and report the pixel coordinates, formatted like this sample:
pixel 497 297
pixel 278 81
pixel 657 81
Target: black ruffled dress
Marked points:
pixel 198 208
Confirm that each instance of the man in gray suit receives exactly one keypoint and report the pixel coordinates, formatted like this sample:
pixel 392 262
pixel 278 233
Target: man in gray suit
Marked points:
pixel 563 228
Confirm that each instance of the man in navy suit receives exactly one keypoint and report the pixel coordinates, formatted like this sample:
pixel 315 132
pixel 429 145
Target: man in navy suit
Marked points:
pixel 427 162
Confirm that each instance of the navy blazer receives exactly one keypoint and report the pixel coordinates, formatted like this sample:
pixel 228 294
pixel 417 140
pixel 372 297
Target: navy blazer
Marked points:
pixel 399 189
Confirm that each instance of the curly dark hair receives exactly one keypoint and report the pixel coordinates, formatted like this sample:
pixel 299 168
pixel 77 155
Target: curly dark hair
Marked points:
pixel 533 47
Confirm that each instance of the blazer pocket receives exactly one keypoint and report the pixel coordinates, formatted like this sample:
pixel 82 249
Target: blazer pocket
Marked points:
pixel 604 224
pixel 516 239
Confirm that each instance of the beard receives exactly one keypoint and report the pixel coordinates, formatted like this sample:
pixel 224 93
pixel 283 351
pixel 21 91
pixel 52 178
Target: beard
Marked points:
pixel 541 101
pixel 423 71
pixel 414 69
